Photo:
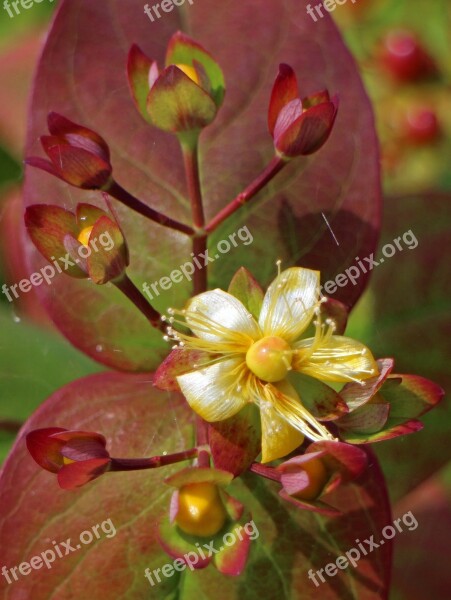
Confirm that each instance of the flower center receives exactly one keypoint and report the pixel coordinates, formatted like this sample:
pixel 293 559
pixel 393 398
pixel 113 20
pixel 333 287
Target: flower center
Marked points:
pixel 83 236
pixel 270 358
pixel 189 72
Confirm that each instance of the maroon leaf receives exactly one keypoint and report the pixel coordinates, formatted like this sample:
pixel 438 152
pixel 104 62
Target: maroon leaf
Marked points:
pixel 319 213
pixel 137 420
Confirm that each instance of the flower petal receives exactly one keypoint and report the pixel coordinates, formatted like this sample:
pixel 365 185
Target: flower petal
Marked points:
pixel 289 303
pixel 284 91
pixel 79 473
pixel 335 359
pixel 219 316
pixel 279 438
pixel 212 391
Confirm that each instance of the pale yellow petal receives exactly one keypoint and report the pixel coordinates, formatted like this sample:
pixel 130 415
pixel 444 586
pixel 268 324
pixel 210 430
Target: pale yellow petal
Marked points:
pixel 212 392
pixel 279 438
pixel 336 358
pixel 219 316
pixel 289 303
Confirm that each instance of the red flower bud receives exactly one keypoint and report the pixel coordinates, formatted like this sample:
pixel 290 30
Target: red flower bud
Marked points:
pixel 299 127
pixel 76 456
pixel 78 155
pixel 89 242
pixel 325 466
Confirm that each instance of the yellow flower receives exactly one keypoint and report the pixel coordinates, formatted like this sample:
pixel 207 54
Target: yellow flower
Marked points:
pixel 249 361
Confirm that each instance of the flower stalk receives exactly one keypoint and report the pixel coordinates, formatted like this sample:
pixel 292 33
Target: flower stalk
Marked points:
pixel 271 170
pixel 118 192
pixel 128 288
pixel 137 464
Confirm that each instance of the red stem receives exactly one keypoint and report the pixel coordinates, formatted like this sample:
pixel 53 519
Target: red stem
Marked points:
pixel 271 170
pixel 137 464
pixel 190 149
pixel 267 472
pixel 129 289
pixel 200 276
pixel 126 198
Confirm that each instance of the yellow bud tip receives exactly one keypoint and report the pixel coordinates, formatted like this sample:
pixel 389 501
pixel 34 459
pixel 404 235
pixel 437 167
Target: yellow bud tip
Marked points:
pixel 68 461
pixel 270 359
pixel 201 511
pixel 318 477
pixel 190 72
pixel 83 236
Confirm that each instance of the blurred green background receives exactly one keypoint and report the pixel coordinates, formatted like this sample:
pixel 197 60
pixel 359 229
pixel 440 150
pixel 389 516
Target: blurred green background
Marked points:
pixel 405 313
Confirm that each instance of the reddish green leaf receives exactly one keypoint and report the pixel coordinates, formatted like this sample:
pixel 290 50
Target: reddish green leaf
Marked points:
pixel 370 418
pixel 286 220
pixel 178 362
pixel 338 312
pixel 137 420
pixel 410 395
pixel 236 442
pixel 319 399
pixel 356 395
pixel 248 291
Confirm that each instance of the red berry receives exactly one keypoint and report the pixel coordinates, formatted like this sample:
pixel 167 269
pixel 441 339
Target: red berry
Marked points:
pixel 405 59
pixel 422 126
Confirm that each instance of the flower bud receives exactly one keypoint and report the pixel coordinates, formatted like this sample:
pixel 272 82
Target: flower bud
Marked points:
pixel 78 156
pixel 299 127
pixel 186 95
pixel 77 457
pixel 90 237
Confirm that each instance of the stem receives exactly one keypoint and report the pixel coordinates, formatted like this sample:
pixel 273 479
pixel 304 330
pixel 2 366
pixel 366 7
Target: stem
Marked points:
pixel 200 276
pixel 137 464
pixel 126 198
pixel 10 426
pixel 129 289
pixel 190 149
pixel 271 170
pixel 202 440
pixel 266 472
